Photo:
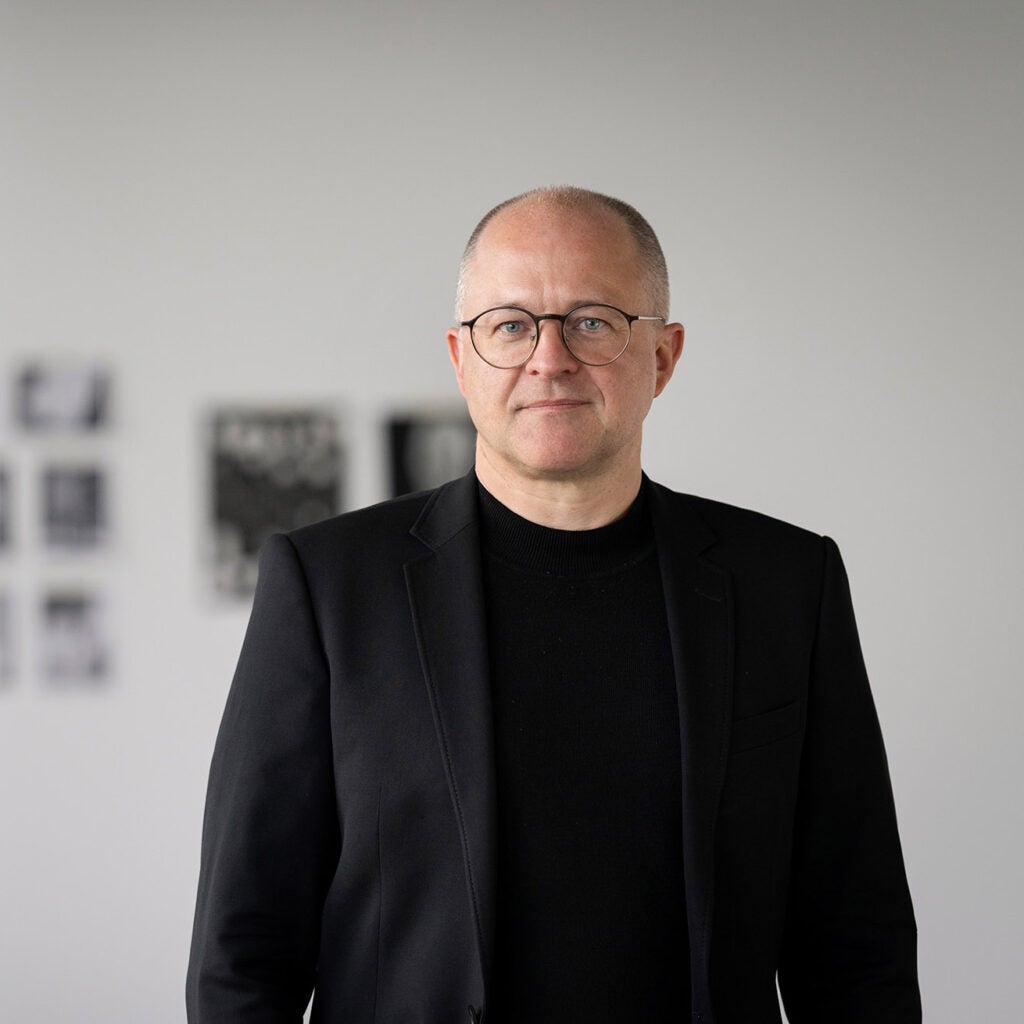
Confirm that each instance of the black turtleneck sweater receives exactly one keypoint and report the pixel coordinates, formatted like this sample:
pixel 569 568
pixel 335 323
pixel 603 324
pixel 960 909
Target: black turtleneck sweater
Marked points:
pixel 591 919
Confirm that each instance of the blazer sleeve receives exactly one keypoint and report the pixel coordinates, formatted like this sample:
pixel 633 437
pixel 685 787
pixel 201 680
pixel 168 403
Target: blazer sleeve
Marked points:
pixel 849 948
pixel 270 832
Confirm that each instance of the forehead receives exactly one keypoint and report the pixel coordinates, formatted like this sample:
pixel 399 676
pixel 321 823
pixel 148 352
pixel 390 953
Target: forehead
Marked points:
pixel 545 253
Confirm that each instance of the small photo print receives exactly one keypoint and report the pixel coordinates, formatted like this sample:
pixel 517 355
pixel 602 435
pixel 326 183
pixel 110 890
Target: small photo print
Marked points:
pixel 74 645
pixel 6 639
pixel 62 398
pixel 5 508
pixel 271 470
pixel 426 449
pixel 74 507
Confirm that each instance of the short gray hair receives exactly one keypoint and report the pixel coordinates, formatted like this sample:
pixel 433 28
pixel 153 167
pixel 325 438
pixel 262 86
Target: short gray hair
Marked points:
pixel 569 197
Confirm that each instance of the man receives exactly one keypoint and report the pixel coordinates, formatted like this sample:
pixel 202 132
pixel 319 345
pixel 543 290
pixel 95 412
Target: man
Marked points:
pixel 552 742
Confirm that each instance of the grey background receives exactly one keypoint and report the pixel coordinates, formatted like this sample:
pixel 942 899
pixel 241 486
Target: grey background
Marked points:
pixel 232 202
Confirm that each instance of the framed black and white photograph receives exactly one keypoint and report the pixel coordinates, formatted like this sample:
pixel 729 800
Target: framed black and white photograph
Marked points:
pixel 427 448
pixel 74 639
pixel 271 469
pixel 75 513
pixel 5 508
pixel 62 398
pixel 6 639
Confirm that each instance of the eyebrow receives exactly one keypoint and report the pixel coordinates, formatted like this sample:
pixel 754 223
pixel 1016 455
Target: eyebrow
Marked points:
pixel 574 304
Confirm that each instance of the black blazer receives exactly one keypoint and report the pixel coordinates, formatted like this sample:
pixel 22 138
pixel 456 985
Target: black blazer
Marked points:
pixel 349 838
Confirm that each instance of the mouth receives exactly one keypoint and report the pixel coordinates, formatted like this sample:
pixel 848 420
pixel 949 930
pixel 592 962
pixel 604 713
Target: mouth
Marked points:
pixel 553 404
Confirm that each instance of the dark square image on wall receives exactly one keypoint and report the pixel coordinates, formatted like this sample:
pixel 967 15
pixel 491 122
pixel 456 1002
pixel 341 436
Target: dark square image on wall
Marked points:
pixel 62 398
pixel 271 470
pixel 425 449
pixel 74 646
pixel 74 507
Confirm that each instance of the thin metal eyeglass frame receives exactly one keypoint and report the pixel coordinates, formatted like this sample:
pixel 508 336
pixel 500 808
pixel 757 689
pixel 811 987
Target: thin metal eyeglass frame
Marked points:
pixel 561 318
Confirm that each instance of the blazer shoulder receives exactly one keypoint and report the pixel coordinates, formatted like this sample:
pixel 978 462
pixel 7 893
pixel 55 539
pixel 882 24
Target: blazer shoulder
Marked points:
pixel 372 531
pixel 398 529
pixel 744 536
pixel 728 519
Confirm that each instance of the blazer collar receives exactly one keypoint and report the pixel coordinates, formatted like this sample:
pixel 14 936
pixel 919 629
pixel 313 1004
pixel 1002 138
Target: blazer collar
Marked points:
pixel 451 509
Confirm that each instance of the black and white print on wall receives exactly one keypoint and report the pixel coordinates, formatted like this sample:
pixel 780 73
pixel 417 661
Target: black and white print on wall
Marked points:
pixel 429 447
pixel 74 646
pixel 74 507
pixel 62 397
pixel 271 469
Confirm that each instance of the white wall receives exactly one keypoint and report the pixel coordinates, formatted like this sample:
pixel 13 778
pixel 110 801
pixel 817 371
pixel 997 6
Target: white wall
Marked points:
pixel 235 201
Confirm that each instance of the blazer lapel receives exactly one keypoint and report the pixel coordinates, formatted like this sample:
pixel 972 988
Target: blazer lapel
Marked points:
pixel 446 596
pixel 698 601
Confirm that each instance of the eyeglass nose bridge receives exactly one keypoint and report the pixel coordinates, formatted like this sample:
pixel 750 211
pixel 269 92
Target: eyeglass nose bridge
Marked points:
pixel 538 319
pixel 560 317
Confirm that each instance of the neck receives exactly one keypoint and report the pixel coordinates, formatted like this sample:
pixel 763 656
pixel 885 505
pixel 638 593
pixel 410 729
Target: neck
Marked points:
pixel 562 502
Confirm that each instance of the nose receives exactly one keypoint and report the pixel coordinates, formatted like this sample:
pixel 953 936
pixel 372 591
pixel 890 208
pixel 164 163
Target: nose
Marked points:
pixel 551 358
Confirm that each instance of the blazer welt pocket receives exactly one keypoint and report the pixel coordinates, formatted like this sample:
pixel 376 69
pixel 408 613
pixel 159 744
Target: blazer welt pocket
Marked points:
pixel 768 727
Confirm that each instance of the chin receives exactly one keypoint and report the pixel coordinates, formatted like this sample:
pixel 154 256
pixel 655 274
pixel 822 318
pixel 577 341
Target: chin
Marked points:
pixel 545 459
pixel 559 450
pixel 562 467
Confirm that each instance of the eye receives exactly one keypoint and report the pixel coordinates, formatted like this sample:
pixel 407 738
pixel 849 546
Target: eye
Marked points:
pixel 505 326
pixel 588 324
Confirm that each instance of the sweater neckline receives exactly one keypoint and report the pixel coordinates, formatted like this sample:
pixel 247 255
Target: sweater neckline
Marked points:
pixel 571 553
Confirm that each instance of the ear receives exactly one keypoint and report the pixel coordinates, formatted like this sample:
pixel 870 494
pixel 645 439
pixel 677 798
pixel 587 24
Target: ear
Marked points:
pixel 456 353
pixel 666 354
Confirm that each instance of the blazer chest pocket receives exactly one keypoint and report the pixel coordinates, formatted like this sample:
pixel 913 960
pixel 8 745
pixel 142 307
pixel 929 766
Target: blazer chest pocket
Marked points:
pixel 768 727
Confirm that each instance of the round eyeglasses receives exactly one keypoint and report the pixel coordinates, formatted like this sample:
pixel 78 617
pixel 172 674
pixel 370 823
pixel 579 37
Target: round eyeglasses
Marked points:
pixel 595 334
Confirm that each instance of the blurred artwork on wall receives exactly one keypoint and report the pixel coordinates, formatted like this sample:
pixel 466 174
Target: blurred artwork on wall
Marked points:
pixel 5 509
pixel 74 507
pixel 6 639
pixel 58 462
pixel 271 469
pixel 428 447
pixel 62 397
pixel 74 646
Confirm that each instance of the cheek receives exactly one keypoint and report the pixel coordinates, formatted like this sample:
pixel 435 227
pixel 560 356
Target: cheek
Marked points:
pixel 485 395
pixel 631 393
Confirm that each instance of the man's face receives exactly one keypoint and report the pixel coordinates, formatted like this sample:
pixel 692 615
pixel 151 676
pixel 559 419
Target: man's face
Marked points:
pixel 556 418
